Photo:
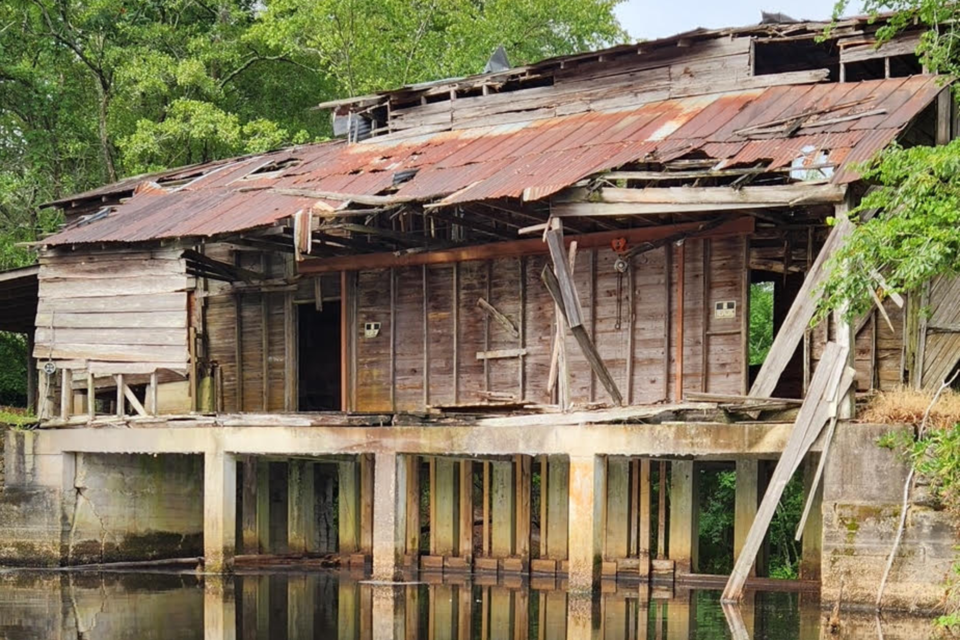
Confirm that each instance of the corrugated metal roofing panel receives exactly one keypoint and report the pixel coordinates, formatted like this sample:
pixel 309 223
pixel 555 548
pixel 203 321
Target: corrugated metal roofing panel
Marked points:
pixel 535 158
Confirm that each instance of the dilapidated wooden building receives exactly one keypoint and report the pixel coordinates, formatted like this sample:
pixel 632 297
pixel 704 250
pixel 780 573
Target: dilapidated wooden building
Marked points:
pixel 500 275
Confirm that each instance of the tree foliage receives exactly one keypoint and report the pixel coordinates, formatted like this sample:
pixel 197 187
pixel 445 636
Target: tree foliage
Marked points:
pixel 911 233
pixel 93 90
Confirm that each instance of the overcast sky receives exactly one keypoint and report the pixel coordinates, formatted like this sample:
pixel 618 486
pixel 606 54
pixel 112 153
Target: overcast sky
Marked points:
pixel 646 19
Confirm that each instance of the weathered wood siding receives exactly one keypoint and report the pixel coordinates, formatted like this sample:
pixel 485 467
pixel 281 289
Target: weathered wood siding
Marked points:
pixel 427 350
pixel 118 311
pixel 710 66
pixel 941 344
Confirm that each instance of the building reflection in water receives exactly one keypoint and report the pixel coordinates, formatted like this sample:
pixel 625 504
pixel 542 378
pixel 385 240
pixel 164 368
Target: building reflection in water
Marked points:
pixel 296 606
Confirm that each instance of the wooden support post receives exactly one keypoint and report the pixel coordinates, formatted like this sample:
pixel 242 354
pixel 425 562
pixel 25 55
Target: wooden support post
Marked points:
pixel 593 317
pixel 633 546
pixel 643 549
pixel 32 378
pixel 662 511
pixel 444 538
pixel 264 544
pixel 91 396
pixel 412 505
pixel 558 507
pixel 366 503
pixel 249 523
pixel 153 394
pixel 812 542
pixel 301 498
pixel 523 480
pixel 503 508
pixel 632 330
pixel 617 529
pixel 121 408
pixel 66 394
pixel 684 512
pixel 745 320
pixel 746 500
pixel 349 507
pixel 486 509
pixel 544 504
pixel 465 545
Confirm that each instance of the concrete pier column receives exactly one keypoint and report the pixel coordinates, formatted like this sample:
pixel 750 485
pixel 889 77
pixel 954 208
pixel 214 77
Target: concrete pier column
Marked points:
pixel 301 500
pixel 387 535
pixel 684 507
pixel 219 511
pixel 388 619
pixel 219 608
pixel 585 508
pixel 746 501
pixel 813 529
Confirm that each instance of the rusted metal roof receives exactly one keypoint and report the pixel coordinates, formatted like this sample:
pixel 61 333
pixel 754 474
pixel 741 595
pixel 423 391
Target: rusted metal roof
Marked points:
pixel 796 125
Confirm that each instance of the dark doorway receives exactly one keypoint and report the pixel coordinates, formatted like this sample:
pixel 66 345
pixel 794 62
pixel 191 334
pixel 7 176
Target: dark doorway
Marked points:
pixel 319 353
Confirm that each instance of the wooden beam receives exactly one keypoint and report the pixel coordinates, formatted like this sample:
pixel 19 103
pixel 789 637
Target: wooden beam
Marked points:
pixel 572 311
pixel 800 314
pixel 779 195
pixel 826 386
pixel 739 226
pixel 66 394
pixel 586 344
pixel 134 401
pixel 497 315
pixel 496 354
pixel 358 198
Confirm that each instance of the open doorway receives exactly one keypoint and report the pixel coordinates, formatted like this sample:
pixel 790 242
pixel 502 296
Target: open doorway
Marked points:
pixel 319 357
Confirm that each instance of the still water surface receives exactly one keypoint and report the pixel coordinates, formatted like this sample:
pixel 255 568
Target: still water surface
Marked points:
pixel 141 606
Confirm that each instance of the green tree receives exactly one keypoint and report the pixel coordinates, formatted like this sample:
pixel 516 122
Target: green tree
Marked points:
pixel 914 234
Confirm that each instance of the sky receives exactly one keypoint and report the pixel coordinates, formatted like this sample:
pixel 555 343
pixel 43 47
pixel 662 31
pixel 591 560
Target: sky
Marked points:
pixel 647 19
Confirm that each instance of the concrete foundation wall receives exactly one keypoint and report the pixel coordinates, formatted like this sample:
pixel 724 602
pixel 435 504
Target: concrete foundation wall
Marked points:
pixel 86 508
pixel 863 490
pixel 135 507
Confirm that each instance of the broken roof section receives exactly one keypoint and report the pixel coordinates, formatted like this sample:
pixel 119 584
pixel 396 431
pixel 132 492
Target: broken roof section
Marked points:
pixel 833 125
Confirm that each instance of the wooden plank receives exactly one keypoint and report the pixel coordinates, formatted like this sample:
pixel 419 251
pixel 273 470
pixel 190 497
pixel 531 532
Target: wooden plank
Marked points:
pixel 167 357
pixel 92 396
pixel 121 408
pixel 425 320
pixel 66 393
pixel 455 332
pixel 678 358
pixel 153 392
pixel 783 195
pixel 580 334
pixel 810 421
pixel 572 312
pixel 106 336
pixel 134 401
pixel 501 319
pixel 799 315
pixel 496 354
pixel 100 287
pixel 238 347
pixel 704 324
pixel 739 226
pixel 465 545
pixel 905 44
pixel 136 320
pixel 176 301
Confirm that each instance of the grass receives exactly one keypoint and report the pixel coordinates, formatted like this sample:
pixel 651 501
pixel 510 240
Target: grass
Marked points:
pixel 907 406
pixel 15 417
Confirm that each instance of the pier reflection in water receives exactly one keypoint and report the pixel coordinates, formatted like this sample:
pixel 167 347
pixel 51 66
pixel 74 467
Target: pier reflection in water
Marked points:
pixel 115 606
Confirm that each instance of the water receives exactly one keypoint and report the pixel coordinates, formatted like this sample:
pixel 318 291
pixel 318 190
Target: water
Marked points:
pixel 142 606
